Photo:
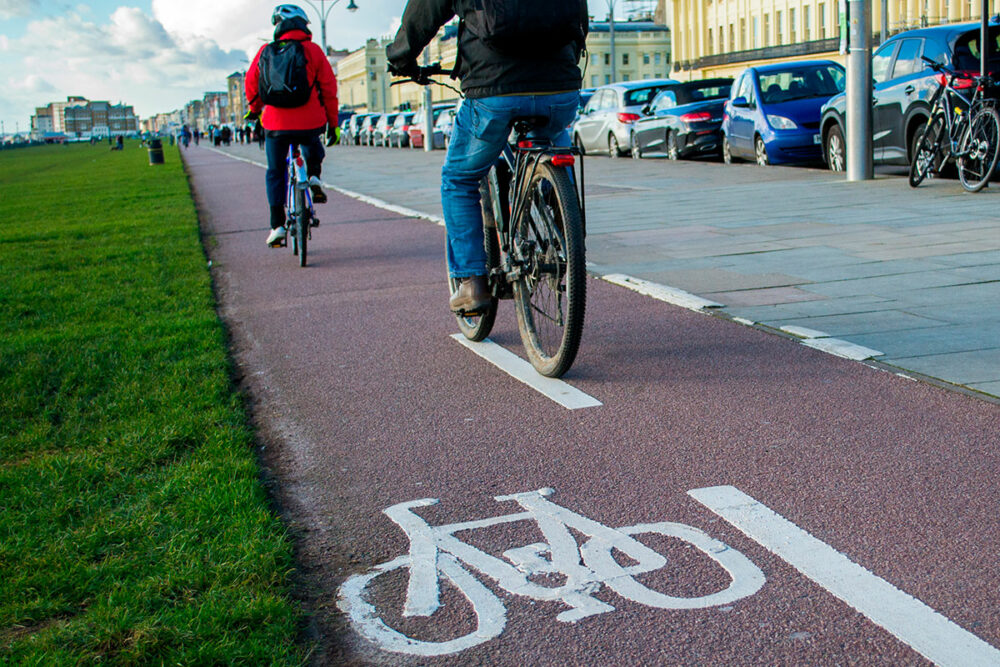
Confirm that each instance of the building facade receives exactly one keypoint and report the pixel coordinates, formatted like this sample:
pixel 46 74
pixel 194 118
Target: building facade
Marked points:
pixel 721 37
pixel 642 51
pixel 84 119
pixel 237 103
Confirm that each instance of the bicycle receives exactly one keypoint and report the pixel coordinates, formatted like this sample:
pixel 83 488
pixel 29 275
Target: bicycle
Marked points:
pixel 437 554
pixel 534 219
pixel 301 214
pixel 966 130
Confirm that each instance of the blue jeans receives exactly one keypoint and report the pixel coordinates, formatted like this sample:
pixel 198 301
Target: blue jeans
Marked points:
pixel 478 136
pixel 276 147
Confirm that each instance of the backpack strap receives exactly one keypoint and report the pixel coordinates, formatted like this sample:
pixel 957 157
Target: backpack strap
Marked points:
pixel 458 48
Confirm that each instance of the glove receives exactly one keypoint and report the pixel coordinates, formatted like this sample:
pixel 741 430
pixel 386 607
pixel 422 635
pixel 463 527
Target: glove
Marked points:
pixel 410 70
pixel 333 136
pixel 251 117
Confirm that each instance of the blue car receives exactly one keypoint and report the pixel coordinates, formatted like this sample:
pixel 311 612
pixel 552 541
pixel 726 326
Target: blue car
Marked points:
pixel 772 115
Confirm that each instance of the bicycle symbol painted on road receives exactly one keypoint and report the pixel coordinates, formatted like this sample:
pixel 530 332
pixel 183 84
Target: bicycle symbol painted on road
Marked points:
pixel 436 553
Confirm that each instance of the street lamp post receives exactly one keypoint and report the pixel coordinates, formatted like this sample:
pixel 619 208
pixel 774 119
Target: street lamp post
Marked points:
pixel 324 10
pixel 611 26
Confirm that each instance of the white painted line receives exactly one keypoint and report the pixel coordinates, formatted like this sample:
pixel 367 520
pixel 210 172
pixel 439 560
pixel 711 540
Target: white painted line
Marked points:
pixel 911 621
pixel 744 321
pixel 562 393
pixel 804 332
pixel 672 295
pixel 402 210
pixel 842 348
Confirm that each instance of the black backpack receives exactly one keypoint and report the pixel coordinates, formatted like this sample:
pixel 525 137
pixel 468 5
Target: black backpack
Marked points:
pixel 528 27
pixel 284 76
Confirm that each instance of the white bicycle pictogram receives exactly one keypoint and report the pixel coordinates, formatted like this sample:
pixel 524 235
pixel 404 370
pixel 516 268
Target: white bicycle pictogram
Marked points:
pixel 435 552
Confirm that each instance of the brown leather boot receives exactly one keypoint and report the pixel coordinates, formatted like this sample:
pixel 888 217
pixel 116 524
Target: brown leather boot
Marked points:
pixel 472 296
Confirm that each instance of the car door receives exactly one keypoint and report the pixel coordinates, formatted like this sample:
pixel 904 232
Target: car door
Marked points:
pixel 587 126
pixel 606 114
pixel 741 122
pixel 667 101
pixel 894 96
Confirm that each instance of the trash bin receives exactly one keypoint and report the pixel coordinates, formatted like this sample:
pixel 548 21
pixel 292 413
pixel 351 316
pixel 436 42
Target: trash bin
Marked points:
pixel 155 151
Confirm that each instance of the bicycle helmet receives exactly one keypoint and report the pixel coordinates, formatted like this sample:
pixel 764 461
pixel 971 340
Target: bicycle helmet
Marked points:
pixel 285 12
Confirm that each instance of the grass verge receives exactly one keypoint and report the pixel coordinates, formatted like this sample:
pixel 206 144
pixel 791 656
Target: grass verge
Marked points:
pixel 133 526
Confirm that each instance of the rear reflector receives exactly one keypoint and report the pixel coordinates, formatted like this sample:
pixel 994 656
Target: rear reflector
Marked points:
pixel 563 160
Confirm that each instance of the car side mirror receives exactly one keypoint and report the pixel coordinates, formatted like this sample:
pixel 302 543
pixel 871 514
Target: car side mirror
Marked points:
pixel 740 102
pixel 647 111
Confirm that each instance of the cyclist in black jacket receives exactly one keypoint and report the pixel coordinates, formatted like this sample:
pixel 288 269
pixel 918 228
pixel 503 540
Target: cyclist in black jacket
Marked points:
pixel 498 88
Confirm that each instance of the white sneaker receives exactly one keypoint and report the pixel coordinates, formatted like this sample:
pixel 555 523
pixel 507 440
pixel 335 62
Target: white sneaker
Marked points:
pixel 277 237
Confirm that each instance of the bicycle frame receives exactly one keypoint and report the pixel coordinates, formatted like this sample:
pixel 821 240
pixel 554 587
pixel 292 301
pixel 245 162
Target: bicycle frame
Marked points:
pixel 297 178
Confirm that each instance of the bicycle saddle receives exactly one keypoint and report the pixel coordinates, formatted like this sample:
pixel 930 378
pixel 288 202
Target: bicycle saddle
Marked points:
pixel 525 124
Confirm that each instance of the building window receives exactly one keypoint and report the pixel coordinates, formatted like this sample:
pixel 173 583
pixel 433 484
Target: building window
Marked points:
pixel 624 59
pixel 607 58
pixel 645 58
pixel 779 37
pixel 656 58
pixel 791 25
pixel 756 33
pixel 732 37
pixel 743 34
pixel 821 10
pixel 593 58
pixel 593 81
pixel 607 79
pixel 625 77
pixel 807 22
pixel 710 42
pixel 767 30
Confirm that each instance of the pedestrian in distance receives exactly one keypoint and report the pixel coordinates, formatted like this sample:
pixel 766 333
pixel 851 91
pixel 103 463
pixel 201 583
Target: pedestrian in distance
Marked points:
pixel 526 67
pixel 292 91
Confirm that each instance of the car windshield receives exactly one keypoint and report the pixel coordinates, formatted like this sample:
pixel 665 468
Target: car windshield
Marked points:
pixel 967 52
pixel 696 93
pixel 640 96
pixel 800 83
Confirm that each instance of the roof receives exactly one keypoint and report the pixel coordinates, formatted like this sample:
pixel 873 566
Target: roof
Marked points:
pixel 628 26
pixel 641 83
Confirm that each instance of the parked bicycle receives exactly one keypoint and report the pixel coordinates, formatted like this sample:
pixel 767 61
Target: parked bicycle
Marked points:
pixel 960 129
pixel 301 214
pixel 535 224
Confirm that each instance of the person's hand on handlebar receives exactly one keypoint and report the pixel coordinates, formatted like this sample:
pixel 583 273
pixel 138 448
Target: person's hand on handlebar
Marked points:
pixel 332 135
pixel 410 70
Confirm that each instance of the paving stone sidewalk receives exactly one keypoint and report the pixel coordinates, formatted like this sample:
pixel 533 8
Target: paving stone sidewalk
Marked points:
pixel 914 274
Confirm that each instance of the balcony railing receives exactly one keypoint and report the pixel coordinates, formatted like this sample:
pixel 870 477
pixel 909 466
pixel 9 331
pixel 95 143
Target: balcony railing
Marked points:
pixel 768 53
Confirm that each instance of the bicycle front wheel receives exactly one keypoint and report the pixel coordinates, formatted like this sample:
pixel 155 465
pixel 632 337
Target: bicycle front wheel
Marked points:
pixel 552 291
pixel 979 149
pixel 927 155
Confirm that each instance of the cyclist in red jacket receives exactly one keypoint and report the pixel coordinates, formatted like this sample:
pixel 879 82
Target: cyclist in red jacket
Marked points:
pixel 303 125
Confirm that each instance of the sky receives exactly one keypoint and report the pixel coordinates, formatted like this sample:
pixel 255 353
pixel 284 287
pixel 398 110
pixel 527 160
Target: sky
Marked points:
pixel 153 54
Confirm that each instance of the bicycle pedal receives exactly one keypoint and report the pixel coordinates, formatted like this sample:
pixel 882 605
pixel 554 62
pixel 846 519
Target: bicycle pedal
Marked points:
pixel 314 223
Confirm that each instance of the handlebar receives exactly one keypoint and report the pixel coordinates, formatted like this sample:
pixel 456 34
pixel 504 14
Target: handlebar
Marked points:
pixel 422 75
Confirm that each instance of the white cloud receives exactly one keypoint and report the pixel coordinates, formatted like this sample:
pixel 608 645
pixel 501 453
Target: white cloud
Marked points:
pixel 10 9
pixel 4 43
pixel 132 58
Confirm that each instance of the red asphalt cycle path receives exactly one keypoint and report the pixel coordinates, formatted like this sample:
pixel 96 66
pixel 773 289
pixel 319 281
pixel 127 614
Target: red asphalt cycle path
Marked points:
pixel 363 401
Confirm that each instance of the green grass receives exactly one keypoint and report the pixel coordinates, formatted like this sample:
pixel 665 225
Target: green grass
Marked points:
pixel 133 525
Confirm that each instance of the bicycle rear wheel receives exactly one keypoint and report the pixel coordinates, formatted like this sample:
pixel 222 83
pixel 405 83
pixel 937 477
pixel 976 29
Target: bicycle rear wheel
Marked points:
pixel 551 294
pixel 300 235
pixel 928 154
pixel 979 149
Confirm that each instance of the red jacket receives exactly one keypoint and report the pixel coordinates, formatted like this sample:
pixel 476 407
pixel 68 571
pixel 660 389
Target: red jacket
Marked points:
pixel 322 107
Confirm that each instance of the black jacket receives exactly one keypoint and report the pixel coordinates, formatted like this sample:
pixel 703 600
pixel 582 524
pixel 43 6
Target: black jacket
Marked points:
pixel 483 71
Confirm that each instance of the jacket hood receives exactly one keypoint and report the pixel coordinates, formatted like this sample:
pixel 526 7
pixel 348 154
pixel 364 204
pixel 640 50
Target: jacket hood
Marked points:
pixel 293 28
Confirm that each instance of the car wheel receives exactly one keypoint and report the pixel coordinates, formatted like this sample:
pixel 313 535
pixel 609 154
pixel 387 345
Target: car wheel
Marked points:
pixel 836 149
pixel 727 150
pixel 673 150
pixel 636 150
pixel 579 144
pixel 614 150
pixel 760 152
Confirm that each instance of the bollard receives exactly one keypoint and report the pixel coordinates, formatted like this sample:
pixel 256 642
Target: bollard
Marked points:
pixel 155 151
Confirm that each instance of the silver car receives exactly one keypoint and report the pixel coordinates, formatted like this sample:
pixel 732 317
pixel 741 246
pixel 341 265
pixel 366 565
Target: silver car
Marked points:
pixel 605 124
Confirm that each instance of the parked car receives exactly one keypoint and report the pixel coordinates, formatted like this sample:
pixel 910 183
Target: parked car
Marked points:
pixel 773 113
pixel 416 130
pixel 380 131
pixel 399 136
pixel 443 125
pixel 605 124
pixel 354 128
pixel 683 121
pixel 367 128
pixel 903 87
